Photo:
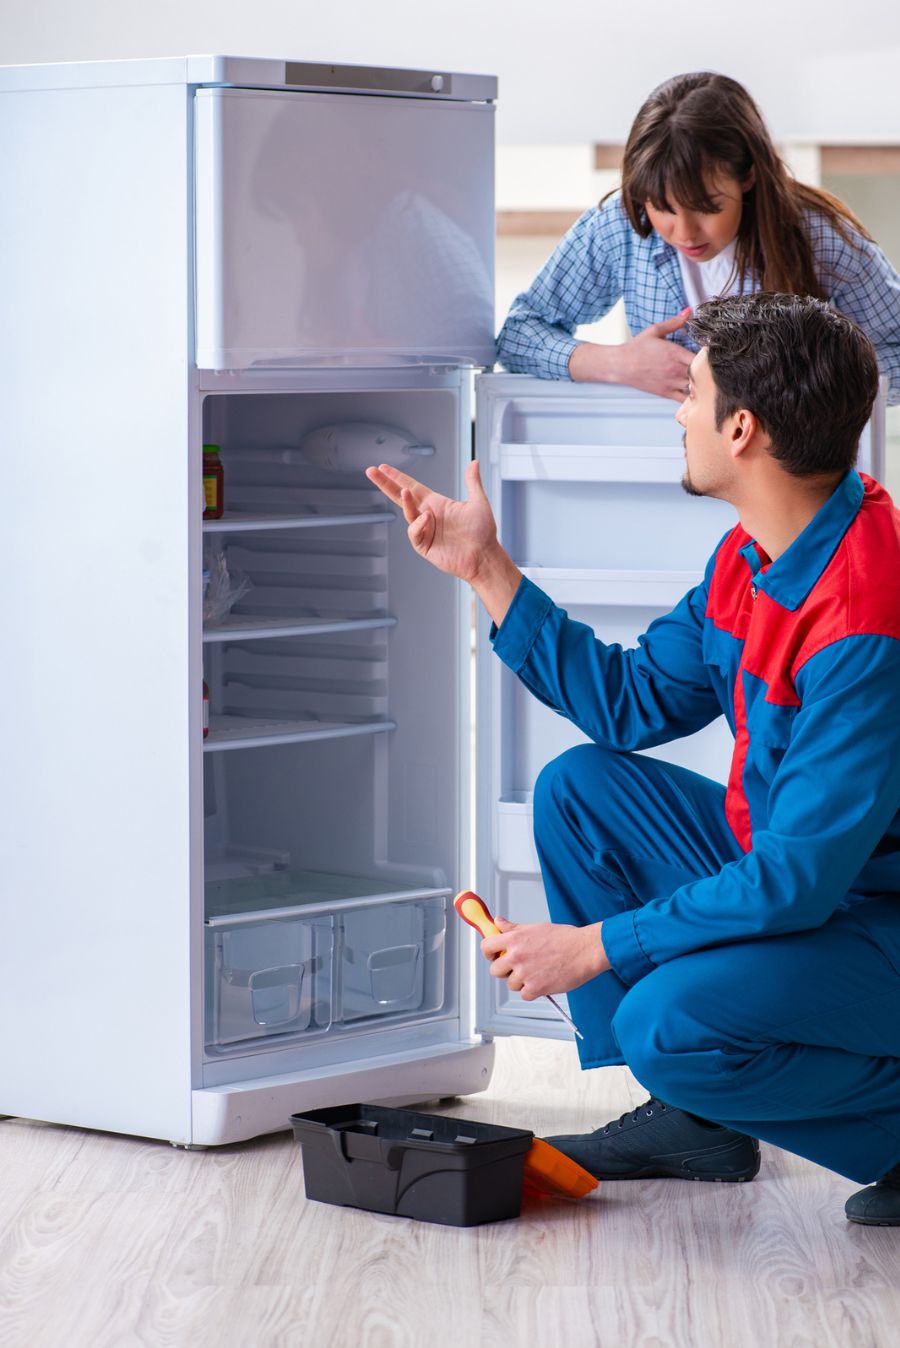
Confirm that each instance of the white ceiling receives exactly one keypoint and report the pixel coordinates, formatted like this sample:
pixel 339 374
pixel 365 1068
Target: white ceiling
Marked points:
pixel 569 72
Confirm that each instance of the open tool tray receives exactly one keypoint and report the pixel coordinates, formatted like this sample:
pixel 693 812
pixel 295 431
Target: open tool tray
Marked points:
pixel 425 1166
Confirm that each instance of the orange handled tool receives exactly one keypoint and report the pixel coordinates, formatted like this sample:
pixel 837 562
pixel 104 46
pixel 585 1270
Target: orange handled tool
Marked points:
pixel 474 910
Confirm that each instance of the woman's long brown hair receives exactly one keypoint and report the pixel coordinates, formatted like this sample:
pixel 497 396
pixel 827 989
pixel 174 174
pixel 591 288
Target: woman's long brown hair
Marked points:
pixel 696 127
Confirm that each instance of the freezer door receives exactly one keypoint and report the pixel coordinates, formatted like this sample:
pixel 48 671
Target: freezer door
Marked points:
pixel 342 229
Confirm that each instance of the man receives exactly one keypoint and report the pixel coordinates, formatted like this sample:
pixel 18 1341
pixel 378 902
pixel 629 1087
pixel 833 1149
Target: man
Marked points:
pixel 739 949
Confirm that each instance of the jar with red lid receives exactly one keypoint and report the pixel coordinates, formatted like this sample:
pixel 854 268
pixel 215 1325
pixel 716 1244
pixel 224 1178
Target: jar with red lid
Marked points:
pixel 213 483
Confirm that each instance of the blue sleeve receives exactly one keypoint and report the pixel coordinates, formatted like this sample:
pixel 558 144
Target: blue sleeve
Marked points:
pixel 859 281
pixel 579 284
pixel 832 799
pixel 622 699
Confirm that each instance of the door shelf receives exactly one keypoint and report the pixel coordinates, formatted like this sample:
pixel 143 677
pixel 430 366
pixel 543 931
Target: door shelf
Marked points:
pixel 591 463
pixel 253 627
pixel 514 826
pixel 237 522
pixel 637 589
pixel 244 732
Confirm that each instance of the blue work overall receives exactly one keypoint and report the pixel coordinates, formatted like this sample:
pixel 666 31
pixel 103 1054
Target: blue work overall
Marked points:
pixel 794 1039
pixel 753 931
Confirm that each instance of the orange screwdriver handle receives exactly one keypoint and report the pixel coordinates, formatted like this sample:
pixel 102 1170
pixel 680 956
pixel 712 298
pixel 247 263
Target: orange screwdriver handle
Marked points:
pixel 475 911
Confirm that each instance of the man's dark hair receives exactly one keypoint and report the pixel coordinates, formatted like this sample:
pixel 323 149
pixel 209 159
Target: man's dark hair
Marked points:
pixel 808 374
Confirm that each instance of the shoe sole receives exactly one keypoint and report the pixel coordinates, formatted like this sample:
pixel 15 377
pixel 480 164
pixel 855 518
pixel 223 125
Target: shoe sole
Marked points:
pixel 670 1172
pixel 870 1221
pixel 680 1175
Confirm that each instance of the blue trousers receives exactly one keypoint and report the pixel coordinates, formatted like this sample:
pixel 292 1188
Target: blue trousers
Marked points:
pixel 794 1038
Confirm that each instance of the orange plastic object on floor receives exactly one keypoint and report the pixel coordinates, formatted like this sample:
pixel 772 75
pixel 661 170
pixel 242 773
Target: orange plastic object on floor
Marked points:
pixel 550 1173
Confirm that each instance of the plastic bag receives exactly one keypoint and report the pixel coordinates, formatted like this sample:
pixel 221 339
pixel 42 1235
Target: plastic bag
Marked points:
pixel 222 588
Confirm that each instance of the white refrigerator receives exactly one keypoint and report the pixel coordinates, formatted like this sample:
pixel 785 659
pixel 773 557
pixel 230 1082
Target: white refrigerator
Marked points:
pixel 205 934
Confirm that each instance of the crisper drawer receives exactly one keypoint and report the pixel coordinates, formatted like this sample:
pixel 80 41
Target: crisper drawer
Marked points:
pixel 288 967
pixel 268 977
pixel 342 228
pixel 392 959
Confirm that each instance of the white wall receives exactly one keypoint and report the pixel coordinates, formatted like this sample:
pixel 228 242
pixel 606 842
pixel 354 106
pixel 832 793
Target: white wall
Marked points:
pixel 570 73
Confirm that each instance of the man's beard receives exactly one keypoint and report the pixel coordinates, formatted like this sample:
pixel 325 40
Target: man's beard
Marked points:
pixel 688 486
pixel 686 483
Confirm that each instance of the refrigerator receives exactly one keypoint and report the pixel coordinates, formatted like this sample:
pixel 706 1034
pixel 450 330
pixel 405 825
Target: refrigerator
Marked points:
pixel 248 763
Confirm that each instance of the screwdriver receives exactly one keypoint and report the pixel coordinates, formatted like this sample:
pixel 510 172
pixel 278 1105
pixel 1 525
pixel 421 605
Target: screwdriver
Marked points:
pixel 474 910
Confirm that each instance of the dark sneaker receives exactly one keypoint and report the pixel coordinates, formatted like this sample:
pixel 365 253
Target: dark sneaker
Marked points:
pixel 879 1204
pixel 656 1141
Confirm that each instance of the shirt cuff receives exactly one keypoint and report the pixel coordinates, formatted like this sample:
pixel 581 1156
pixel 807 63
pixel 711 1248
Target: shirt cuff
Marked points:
pixel 623 948
pixel 555 355
pixel 516 635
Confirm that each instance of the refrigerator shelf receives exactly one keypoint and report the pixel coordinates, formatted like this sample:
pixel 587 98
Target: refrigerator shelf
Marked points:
pixel 285 892
pixel 591 463
pixel 253 627
pixel 244 732
pixel 238 522
pixel 593 588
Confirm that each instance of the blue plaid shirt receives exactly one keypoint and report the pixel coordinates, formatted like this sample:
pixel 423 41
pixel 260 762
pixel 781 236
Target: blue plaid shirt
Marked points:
pixel 603 259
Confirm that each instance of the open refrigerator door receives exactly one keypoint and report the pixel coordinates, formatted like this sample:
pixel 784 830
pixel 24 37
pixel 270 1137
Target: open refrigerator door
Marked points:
pixel 585 481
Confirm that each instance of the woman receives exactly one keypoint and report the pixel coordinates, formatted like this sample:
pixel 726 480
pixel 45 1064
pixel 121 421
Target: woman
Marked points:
pixel 706 208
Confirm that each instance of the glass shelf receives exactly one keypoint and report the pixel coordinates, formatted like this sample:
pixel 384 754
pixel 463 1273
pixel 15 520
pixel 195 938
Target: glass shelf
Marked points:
pixel 250 627
pixel 245 732
pixel 261 523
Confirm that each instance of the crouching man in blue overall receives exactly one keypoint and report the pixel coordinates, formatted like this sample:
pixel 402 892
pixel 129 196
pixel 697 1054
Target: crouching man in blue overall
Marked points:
pixel 739 947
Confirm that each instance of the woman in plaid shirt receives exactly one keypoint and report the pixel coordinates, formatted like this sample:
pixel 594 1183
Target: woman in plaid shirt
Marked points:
pixel 706 208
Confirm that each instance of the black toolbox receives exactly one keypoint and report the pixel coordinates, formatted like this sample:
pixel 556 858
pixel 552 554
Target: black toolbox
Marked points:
pixel 426 1166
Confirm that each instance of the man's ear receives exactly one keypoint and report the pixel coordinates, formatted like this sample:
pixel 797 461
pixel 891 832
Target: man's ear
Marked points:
pixel 743 430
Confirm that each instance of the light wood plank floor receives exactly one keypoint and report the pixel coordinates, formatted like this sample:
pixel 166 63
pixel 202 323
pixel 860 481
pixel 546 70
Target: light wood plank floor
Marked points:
pixel 113 1241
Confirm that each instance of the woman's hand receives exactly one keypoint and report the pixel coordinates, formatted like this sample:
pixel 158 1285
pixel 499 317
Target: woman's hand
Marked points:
pixel 647 362
pixel 541 957
pixel 459 537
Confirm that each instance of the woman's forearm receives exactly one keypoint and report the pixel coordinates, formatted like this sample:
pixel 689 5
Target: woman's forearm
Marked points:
pixel 592 363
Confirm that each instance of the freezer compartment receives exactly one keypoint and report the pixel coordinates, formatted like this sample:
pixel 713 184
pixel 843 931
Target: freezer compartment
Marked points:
pixel 294 953
pixel 342 229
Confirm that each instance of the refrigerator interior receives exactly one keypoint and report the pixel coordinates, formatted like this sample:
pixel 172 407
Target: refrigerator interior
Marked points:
pixel 337 691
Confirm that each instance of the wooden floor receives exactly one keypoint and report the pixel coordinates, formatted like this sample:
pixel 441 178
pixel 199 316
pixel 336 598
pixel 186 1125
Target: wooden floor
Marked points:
pixel 112 1241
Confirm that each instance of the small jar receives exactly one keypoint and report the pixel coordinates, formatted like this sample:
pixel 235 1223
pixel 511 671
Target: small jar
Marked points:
pixel 213 483
pixel 205 709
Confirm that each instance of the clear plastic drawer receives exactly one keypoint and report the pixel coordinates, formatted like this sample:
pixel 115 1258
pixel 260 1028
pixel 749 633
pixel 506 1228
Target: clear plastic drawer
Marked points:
pixel 392 959
pixel 271 977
